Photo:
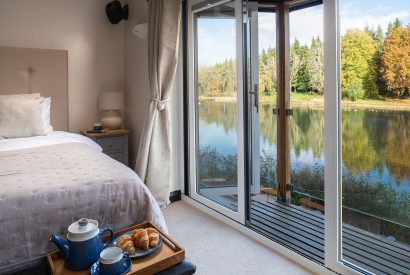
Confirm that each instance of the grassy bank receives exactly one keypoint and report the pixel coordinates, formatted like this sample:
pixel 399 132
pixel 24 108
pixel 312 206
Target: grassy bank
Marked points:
pixel 298 99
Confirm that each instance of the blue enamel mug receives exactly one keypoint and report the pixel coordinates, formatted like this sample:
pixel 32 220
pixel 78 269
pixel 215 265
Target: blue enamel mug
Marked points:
pixel 84 243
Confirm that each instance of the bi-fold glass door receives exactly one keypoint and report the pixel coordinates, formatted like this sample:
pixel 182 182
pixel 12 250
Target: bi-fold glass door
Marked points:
pixel 274 130
pixel 216 105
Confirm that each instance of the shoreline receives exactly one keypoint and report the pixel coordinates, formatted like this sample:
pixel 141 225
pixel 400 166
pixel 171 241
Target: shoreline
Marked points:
pixel 390 104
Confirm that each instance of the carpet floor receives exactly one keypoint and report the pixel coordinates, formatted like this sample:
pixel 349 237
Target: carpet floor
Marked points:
pixel 217 248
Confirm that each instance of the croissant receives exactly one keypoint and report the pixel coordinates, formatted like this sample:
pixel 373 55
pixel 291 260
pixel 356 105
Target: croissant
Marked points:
pixel 153 236
pixel 141 239
pixel 135 232
pixel 126 243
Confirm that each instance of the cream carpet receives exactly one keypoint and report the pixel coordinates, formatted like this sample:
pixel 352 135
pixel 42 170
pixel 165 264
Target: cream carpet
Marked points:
pixel 217 248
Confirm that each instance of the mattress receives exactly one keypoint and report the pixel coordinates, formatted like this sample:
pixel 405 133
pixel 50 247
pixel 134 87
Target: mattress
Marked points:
pixel 46 183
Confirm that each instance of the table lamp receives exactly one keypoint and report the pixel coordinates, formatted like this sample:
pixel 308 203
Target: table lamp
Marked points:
pixel 111 102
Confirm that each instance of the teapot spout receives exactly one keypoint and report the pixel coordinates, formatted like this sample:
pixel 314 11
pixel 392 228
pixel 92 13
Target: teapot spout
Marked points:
pixel 61 244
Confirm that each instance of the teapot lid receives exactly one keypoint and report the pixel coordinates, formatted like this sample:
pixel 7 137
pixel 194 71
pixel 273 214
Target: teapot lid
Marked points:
pixel 83 227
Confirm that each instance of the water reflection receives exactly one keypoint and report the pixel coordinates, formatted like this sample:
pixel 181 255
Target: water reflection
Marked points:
pixel 375 153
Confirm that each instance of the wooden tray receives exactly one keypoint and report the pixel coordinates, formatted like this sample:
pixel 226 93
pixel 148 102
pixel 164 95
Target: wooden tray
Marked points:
pixel 171 253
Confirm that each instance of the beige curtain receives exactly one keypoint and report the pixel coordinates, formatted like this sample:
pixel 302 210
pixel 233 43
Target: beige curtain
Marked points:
pixel 153 162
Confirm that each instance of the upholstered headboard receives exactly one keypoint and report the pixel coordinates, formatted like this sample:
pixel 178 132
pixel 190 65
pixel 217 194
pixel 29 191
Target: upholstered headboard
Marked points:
pixel 24 70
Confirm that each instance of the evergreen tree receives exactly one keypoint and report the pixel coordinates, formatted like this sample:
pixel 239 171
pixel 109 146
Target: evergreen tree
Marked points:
pixel 302 81
pixel 393 25
pixel 378 36
pixel 295 63
pixel 315 66
pixel 267 72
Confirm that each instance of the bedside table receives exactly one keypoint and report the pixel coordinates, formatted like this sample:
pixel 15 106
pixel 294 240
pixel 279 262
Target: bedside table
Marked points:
pixel 113 142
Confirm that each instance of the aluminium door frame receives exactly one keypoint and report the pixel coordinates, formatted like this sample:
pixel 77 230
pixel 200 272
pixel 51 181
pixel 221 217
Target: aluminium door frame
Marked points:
pixel 332 144
pixel 194 7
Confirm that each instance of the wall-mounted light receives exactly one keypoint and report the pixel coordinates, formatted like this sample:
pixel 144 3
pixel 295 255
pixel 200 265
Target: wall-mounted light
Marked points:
pixel 116 12
pixel 141 30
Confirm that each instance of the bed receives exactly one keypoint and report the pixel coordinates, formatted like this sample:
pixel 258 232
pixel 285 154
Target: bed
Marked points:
pixel 47 182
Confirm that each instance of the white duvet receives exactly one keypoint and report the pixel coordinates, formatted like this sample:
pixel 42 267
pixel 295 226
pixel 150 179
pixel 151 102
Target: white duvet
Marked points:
pixel 56 137
pixel 48 182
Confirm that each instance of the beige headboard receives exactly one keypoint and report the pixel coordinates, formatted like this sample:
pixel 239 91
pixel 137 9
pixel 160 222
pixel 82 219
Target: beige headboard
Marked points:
pixel 24 70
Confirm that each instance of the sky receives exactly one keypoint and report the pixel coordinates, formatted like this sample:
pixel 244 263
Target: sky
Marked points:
pixel 216 37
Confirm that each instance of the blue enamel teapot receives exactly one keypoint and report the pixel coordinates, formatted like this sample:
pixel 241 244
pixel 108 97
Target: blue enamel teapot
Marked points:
pixel 83 245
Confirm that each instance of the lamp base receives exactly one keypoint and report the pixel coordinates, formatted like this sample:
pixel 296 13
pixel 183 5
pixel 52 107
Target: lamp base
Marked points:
pixel 112 120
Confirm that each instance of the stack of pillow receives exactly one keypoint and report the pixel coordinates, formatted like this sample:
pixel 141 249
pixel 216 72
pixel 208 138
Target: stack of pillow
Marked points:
pixel 24 115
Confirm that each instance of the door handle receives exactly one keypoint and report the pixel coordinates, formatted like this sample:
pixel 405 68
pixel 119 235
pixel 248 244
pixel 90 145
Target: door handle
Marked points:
pixel 255 94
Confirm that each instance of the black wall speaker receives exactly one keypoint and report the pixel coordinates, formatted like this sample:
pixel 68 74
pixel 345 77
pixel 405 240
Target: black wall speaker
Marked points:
pixel 115 12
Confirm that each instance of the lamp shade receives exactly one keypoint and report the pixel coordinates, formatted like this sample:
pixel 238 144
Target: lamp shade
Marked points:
pixel 111 101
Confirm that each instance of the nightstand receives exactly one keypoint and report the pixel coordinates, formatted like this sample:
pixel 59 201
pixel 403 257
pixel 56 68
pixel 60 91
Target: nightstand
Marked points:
pixel 113 142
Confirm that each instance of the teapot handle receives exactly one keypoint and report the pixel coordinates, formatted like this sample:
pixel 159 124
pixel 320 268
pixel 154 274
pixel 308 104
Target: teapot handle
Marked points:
pixel 107 229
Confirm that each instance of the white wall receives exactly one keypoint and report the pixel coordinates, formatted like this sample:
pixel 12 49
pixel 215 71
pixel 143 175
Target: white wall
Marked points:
pixel 95 47
pixel 137 92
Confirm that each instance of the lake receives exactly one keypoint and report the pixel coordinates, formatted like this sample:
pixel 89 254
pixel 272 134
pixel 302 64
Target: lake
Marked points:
pixel 375 154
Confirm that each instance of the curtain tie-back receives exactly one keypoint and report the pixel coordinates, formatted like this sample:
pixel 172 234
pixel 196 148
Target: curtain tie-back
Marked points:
pixel 161 103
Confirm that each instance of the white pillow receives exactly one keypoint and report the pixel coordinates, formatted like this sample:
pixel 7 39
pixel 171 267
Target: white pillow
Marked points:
pixel 21 116
pixel 46 108
pixel 18 96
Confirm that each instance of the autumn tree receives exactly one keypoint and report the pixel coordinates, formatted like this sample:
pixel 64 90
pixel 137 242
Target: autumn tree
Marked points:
pixel 396 61
pixel 218 79
pixel 358 65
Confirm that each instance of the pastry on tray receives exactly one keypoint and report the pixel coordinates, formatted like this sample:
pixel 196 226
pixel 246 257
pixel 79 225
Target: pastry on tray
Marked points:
pixel 153 236
pixel 143 238
pixel 126 243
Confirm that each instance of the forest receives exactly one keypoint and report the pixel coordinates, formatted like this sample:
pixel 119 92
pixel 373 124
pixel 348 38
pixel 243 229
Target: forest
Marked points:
pixel 374 65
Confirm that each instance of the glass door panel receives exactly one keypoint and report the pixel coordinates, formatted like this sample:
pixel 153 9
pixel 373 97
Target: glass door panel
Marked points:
pixel 263 186
pixel 375 143
pixel 296 221
pixel 307 119
pixel 267 88
pixel 217 96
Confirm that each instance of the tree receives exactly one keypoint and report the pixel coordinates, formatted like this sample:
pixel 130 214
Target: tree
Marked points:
pixel 358 152
pixel 299 75
pixel 217 80
pixel 295 62
pixel 378 36
pixel 396 61
pixel 397 147
pixel 393 25
pixel 267 72
pixel 358 65
pixel 315 66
